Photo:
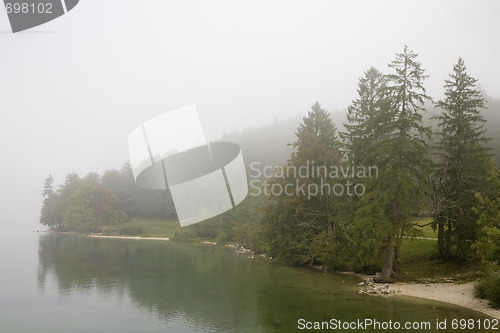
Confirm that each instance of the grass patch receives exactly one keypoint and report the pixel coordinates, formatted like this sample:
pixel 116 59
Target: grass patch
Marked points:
pixel 426 231
pixel 132 230
pixel 419 263
pixel 144 228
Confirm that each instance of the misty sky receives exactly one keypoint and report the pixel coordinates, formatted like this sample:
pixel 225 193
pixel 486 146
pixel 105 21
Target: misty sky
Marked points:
pixel 73 89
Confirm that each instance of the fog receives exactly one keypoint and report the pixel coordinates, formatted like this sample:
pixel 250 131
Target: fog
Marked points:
pixel 73 89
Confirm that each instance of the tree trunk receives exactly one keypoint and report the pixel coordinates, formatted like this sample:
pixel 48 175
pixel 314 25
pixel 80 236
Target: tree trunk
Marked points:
pixel 441 250
pixel 447 239
pixel 396 257
pixel 397 251
pixel 387 268
pixel 328 218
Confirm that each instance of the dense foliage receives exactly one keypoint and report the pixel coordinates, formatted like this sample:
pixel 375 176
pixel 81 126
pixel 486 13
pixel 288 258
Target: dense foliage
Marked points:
pixel 489 288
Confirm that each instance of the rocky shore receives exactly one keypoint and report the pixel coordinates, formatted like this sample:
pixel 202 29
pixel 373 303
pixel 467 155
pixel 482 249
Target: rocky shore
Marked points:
pixel 370 287
pixel 457 294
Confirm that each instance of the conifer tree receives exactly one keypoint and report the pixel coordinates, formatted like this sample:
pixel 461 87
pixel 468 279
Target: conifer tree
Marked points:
pixel 50 214
pixel 389 206
pixel 464 164
pixel 298 226
pixel 317 146
pixel 364 118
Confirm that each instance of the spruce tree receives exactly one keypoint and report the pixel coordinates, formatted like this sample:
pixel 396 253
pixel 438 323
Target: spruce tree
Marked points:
pixel 464 164
pixel 298 226
pixel 50 214
pixel 317 146
pixel 389 206
pixel 364 118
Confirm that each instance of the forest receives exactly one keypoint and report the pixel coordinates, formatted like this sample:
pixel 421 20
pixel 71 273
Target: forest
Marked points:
pixel 437 166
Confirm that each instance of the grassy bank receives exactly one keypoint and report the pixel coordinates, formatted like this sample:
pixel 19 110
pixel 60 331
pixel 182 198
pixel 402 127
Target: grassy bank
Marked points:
pixel 419 261
pixel 144 228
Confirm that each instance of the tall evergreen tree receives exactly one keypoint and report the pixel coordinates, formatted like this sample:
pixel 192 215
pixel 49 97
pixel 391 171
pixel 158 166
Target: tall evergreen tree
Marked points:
pixel 318 146
pixel 298 226
pixel 50 212
pixel 367 119
pixel 403 166
pixel 464 164
pixel 48 185
pixel 364 118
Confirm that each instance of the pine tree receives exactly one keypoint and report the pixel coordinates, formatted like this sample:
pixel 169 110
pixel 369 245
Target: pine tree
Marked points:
pixel 464 163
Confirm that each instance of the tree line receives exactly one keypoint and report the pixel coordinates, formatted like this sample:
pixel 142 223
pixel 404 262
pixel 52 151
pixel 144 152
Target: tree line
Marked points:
pixel 449 175
pixel 446 172
pixel 86 204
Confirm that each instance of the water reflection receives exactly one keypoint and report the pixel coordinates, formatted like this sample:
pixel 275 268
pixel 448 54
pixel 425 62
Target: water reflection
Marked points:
pixel 206 288
pixel 173 281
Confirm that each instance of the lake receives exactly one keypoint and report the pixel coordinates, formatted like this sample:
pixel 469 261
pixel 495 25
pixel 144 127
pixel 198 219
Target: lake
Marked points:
pixel 69 283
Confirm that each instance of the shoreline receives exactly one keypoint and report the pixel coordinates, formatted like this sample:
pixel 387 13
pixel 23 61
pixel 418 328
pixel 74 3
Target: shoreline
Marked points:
pixel 451 293
pixel 103 236
pixel 456 294
pixel 129 237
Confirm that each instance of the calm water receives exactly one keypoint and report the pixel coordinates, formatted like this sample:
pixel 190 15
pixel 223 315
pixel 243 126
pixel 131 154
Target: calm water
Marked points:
pixel 65 283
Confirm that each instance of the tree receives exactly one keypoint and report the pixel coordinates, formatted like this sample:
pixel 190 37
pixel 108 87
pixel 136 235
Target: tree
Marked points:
pixel 488 238
pixel 318 146
pixel 136 201
pixel 79 215
pixel 464 164
pixel 51 209
pixel 391 204
pixel 365 117
pixel 122 184
pixel 91 206
pixel 247 227
pixel 299 224
pixel 48 187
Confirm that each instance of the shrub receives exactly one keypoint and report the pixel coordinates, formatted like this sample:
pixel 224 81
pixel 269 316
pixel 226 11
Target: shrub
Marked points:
pixel 132 230
pixel 489 288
